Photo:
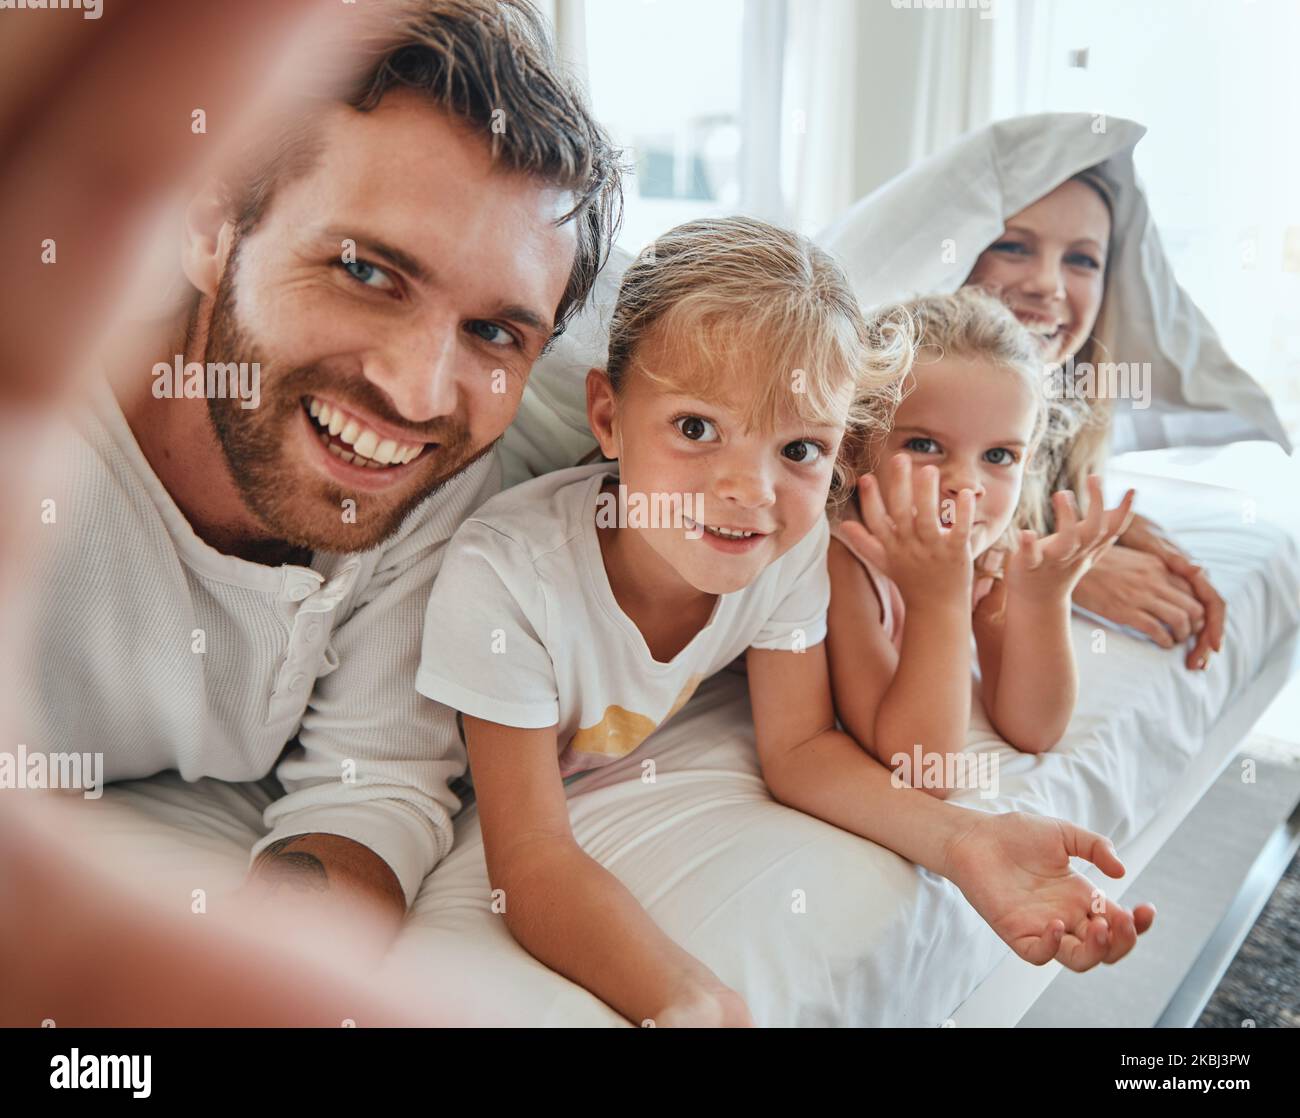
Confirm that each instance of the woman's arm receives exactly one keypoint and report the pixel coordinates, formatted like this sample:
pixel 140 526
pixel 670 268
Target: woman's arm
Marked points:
pixel 1148 584
pixel 566 909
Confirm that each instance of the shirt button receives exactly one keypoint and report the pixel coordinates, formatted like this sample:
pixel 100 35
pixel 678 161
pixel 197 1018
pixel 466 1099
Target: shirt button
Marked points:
pixel 298 591
pixel 297 682
pixel 312 631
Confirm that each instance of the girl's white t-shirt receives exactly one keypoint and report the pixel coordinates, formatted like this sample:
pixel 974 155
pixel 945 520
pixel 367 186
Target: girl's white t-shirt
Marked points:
pixel 523 629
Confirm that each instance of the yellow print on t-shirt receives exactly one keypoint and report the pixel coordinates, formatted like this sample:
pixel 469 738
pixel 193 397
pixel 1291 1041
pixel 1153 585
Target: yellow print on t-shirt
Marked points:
pixel 620 730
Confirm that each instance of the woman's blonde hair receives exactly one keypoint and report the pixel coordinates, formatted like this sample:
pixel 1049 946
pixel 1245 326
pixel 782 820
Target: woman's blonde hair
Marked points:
pixel 1078 425
pixel 735 295
pixel 972 323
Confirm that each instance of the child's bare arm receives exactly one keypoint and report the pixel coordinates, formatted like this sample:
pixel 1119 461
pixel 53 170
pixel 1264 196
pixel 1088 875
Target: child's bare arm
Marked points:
pixel 1013 868
pixel 563 906
pixel 809 765
pixel 862 657
pixel 1037 683
pixel 926 700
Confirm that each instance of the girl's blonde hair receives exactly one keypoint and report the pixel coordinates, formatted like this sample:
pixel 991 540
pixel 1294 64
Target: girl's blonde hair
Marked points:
pixel 734 301
pixel 972 323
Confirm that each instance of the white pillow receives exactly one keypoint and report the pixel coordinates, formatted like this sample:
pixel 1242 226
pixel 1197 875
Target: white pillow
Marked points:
pixel 550 429
pixel 922 232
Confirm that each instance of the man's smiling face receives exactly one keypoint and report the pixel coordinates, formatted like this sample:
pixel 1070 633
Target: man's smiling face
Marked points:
pixel 387 368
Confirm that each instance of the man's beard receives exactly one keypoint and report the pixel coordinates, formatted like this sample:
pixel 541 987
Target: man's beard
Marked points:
pixel 297 505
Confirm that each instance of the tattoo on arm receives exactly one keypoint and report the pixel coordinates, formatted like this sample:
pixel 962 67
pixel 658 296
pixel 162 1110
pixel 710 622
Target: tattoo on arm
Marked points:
pixel 279 867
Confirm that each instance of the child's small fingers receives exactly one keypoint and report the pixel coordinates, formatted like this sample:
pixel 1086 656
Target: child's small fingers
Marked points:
pixel 1080 842
pixel 1143 917
pixel 898 494
pixel 1125 513
pixel 1066 509
pixel 873 508
pixel 1092 519
pixel 1040 950
pixel 927 503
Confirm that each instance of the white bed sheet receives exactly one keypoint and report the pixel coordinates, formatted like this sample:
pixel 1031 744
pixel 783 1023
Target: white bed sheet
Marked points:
pixel 815 926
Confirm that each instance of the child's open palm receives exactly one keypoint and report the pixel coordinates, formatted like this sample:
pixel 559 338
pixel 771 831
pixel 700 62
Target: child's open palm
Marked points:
pixel 1015 871
pixel 1047 568
pixel 907 533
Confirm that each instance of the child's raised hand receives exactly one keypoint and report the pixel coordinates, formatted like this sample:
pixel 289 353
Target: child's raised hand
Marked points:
pixel 1015 870
pixel 907 535
pixel 1048 568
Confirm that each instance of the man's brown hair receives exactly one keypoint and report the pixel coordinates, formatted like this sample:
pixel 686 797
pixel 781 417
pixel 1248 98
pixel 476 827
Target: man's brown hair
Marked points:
pixel 491 64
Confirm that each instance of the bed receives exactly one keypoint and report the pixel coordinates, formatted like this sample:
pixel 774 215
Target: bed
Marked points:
pixel 813 925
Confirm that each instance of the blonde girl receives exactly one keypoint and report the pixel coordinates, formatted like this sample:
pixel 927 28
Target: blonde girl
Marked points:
pixel 928 554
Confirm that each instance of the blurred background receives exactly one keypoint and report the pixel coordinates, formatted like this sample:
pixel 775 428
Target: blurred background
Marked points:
pixel 791 110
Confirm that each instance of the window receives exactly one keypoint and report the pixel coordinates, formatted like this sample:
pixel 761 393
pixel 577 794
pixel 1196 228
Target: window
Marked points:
pixel 665 79
pixel 1216 85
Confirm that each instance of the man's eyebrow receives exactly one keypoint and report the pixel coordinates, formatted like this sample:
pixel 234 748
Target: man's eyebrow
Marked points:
pixel 511 312
pixel 375 247
pixel 515 312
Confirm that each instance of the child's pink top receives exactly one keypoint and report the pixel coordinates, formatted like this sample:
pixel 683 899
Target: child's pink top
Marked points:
pixel 891 598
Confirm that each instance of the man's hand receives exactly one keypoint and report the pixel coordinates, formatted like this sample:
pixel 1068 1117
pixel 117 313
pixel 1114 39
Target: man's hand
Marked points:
pixel 1015 871
pixel 322 872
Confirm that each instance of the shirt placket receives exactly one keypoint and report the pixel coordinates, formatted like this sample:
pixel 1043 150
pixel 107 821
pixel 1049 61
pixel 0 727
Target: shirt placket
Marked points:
pixel 308 655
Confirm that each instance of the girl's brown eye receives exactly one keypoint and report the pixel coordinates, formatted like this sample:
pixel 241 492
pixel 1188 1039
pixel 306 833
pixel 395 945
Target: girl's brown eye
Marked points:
pixel 805 450
pixel 693 427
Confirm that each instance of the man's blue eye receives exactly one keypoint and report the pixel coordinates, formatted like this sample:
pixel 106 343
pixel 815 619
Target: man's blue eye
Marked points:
pixel 491 333
pixel 1082 259
pixel 363 272
pixel 1010 246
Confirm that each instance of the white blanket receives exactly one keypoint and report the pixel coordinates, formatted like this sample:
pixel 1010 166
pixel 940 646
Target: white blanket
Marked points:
pixel 720 865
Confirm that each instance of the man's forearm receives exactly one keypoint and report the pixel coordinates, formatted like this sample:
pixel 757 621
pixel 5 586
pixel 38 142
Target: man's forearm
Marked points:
pixel 324 869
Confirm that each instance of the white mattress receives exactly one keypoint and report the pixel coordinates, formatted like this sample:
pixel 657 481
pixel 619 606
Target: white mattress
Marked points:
pixel 718 863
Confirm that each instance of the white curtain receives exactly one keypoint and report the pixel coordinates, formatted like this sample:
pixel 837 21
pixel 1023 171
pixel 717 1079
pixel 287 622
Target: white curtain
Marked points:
pixel 820 118
pixel 953 89
pixel 869 90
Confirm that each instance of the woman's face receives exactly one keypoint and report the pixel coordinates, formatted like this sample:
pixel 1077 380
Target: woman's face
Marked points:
pixel 1048 267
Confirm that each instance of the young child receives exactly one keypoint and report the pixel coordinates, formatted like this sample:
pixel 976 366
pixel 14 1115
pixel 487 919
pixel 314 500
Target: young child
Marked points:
pixel 930 539
pixel 566 636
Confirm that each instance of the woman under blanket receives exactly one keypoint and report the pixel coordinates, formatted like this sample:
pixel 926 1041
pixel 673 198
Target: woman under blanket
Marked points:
pixel 1046 212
